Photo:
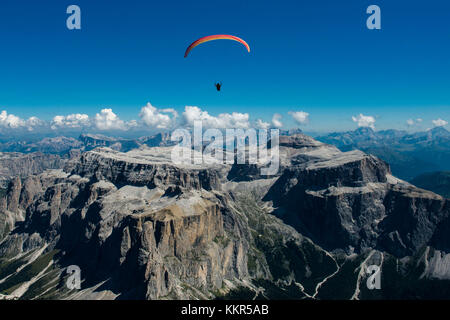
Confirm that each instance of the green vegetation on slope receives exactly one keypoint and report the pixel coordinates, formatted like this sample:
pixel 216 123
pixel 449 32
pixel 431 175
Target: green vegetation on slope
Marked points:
pixel 27 273
pixel 287 257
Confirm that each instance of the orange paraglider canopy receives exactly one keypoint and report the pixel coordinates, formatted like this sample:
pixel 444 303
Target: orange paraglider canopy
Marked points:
pixel 215 37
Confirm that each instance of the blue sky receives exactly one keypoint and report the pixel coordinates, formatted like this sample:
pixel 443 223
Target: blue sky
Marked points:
pixel 313 56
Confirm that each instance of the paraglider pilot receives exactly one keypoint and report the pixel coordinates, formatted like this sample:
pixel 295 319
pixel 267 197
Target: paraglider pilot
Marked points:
pixel 218 86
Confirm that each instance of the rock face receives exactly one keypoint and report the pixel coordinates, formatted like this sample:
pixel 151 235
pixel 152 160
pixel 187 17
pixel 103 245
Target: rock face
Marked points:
pixel 55 145
pixel 18 164
pixel 64 145
pixel 149 246
pixel 92 141
pixel 350 201
pixel 142 227
pixel 145 168
pixel 157 140
pixel 148 228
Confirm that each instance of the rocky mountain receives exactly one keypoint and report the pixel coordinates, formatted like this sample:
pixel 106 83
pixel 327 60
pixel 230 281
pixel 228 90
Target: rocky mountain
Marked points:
pixel 409 154
pixel 64 145
pixel 13 164
pixel 157 140
pixel 53 145
pixel 24 157
pixel 142 227
pixel 92 141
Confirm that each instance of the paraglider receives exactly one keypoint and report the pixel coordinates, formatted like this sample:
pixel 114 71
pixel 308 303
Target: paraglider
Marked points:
pixel 218 85
pixel 215 37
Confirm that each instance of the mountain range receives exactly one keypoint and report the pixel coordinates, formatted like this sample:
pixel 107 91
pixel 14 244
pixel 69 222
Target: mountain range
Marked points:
pixel 63 145
pixel 409 154
pixel 141 227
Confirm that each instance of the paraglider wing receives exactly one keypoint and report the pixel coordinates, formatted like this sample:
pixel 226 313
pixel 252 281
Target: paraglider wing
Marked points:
pixel 215 37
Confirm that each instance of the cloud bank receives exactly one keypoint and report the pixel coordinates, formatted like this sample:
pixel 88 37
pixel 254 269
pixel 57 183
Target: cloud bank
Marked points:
pixel 364 121
pixel 439 122
pixel 276 120
pixel 165 119
pixel 412 122
pixel 260 124
pixel 72 121
pixel 300 117
pixel 222 121
pixel 158 118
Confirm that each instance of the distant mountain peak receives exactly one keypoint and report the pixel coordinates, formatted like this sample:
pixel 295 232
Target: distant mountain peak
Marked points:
pixel 291 132
pixel 440 131
pixel 365 130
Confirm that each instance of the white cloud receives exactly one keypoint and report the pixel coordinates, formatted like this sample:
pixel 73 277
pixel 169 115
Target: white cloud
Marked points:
pixel 12 121
pixel 70 121
pixel 364 121
pixel 276 120
pixel 158 118
pixel 300 117
pixel 108 120
pixel 260 124
pixel 439 122
pixel 34 122
pixel 412 122
pixel 222 121
pixel 105 120
pixel 132 124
